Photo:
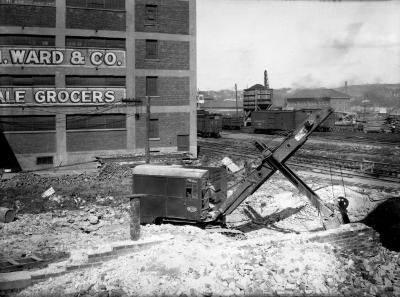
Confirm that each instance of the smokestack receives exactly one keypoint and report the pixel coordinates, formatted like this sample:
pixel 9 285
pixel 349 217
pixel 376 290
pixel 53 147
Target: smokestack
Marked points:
pixel 266 83
pixel 345 87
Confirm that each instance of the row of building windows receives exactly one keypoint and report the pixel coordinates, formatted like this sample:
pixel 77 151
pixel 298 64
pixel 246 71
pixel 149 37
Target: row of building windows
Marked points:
pixel 70 80
pixel 98 4
pixel 76 42
pixel 70 41
pixel 30 2
pixel 150 10
pixel 73 122
pixel 75 80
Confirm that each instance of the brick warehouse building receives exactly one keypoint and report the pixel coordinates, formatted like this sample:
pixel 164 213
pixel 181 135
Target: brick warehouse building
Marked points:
pixel 67 67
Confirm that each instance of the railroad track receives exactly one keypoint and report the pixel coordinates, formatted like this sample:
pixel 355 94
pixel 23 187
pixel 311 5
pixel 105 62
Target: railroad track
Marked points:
pixel 350 168
pixel 376 139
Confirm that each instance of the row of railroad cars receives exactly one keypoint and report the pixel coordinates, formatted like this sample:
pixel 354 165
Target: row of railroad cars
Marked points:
pixel 276 121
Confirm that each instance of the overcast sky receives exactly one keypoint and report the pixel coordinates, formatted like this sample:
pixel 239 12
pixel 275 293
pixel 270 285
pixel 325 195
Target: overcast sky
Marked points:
pixel 300 43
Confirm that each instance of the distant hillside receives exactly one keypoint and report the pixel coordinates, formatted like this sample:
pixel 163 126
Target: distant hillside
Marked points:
pixel 387 95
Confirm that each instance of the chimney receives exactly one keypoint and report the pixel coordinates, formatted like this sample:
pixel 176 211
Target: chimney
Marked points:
pixel 345 87
pixel 266 83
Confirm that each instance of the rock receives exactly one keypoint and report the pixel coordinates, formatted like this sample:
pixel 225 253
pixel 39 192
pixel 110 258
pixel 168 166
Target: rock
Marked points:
pixel 330 282
pixel 116 293
pixel 93 219
pixel 388 283
pixel 102 294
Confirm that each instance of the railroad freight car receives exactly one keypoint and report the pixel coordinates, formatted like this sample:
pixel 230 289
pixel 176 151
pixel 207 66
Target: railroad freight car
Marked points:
pixel 208 124
pixel 271 121
pixel 230 122
pixel 276 120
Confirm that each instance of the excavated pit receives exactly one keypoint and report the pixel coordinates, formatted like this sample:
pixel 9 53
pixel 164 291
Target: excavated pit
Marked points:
pixel 385 219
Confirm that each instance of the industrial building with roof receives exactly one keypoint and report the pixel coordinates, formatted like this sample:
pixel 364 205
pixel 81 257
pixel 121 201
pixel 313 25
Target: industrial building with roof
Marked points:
pixel 74 75
pixel 317 99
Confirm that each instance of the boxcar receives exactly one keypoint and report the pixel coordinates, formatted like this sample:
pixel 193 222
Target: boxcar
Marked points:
pixel 285 120
pixel 276 120
pixel 208 124
pixel 232 122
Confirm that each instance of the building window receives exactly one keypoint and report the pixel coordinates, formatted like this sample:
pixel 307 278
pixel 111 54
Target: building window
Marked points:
pixel 27 123
pixel 151 49
pixel 47 160
pixel 153 129
pixel 98 4
pixel 95 42
pixel 30 2
pixel 151 86
pixel 96 122
pixel 151 15
pixel 27 40
pixel 95 81
pixel 27 80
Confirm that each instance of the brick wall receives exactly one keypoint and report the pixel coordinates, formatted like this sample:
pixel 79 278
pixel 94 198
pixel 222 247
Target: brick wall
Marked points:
pixel 355 237
pixel 32 143
pixel 172 90
pixel 27 15
pixel 172 17
pixel 170 125
pixel 95 140
pixel 171 55
pixel 77 18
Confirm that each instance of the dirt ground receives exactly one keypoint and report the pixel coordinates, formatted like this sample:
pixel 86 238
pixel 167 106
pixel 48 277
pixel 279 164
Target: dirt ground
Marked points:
pixel 89 210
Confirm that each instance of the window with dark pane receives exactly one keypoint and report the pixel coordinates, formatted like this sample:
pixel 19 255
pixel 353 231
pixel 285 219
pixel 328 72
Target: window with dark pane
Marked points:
pixel 94 122
pixel 95 81
pixel 153 129
pixel 151 49
pixel 26 40
pixel 47 160
pixel 151 14
pixel 151 86
pixel 94 42
pixel 98 4
pixel 27 123
pixel 95 3
pixel 115 4
pixel 27 80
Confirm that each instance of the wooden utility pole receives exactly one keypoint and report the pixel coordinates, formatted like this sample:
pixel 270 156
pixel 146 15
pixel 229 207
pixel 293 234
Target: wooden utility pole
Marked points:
pixel 147 132
pixel 134 213
pixel 237 112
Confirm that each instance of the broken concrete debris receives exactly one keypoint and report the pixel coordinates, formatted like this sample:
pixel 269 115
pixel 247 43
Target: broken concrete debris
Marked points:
pixel 195 262
pixel 230 165
pixel 50 191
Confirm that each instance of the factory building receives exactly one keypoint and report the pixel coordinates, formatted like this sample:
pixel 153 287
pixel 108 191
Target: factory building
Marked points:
pixel 74 75
pixel 318 99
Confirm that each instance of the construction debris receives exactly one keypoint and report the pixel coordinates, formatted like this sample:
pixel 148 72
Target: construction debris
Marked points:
pixel 198 263
pixel 230 165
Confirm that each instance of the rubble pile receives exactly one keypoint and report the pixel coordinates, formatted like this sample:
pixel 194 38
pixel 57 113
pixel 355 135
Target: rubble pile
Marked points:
pixel 64 231
pixel 71 191
pixel 378 274
pixel 198 263
pixel 114 171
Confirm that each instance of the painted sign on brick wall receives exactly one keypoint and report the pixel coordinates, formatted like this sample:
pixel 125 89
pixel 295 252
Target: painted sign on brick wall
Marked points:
pixel 61 57
pixel 52 96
